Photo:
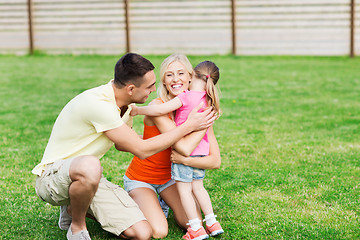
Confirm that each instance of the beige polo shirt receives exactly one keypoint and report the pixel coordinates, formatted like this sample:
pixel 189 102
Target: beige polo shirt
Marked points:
pixel 79 128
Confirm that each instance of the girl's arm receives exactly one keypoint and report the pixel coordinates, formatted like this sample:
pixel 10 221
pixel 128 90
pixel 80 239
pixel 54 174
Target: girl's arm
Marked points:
pixel 185 145
pixel 188 143
pixel 157 109
pixel 212 161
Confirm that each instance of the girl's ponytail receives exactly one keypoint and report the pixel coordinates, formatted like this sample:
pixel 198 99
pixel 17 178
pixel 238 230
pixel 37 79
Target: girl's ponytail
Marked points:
pixel 209 72
pixel 212 96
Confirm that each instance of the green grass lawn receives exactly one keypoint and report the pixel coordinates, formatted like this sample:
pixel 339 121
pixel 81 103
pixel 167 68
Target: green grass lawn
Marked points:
pixel 289 139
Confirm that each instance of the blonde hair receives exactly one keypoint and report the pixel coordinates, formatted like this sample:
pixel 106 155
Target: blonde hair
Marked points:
pixel 209 72
pixel 163 93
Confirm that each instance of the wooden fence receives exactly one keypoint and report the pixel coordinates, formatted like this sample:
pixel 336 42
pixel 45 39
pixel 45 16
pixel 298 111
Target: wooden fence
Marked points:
pixel 241 27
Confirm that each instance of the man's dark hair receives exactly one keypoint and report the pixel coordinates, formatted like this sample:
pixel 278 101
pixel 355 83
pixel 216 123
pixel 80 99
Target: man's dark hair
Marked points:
pixel 131 68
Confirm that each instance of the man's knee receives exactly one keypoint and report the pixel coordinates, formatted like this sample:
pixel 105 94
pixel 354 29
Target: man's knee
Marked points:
pixel 87 168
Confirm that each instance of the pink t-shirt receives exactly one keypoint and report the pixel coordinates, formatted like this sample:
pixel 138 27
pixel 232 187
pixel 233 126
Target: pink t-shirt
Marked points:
pixel 190 99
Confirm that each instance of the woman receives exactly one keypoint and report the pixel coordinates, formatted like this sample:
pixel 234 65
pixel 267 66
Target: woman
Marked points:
pixel 144 179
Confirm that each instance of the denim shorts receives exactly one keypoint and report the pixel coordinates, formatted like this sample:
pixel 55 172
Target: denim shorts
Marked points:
pixel 157 188
pixel 182 173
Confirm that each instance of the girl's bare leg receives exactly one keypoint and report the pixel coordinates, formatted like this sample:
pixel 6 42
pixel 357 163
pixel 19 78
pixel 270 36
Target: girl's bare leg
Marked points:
pixel 202 196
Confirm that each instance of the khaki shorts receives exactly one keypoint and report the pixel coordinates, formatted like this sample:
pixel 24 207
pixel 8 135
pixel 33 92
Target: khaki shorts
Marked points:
pixel 111 206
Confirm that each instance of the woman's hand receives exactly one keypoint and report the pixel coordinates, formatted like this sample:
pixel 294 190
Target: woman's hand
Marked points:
pixel 178 158
pixel 201 120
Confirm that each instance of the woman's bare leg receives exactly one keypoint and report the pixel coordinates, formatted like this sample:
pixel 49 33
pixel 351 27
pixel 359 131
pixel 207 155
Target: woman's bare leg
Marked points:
pixel 149 204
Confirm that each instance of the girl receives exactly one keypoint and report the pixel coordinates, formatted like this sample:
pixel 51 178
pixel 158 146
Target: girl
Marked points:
pixel 188 179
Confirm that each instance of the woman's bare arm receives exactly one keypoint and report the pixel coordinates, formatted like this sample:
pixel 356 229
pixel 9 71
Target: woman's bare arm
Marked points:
pixel 212 161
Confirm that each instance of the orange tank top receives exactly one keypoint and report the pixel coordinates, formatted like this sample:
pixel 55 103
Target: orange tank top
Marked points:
pixel 155 169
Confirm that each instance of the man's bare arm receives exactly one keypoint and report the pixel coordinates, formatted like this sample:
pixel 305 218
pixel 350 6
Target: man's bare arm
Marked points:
pixel 127 140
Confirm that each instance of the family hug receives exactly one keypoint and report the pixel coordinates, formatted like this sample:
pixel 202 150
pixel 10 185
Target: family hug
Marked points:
pixel 168 168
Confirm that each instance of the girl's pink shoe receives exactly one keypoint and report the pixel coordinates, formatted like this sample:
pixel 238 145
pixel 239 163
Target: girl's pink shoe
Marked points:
pixel 214 230
pixel 195 235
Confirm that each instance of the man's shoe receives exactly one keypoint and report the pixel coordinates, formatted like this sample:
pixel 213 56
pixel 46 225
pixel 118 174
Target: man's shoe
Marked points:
pixel 82 235
pixel 215 229
pixel 65 219
pixel 195 235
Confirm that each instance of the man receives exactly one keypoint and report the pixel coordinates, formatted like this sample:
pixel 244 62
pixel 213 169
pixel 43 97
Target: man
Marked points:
pixel 70 174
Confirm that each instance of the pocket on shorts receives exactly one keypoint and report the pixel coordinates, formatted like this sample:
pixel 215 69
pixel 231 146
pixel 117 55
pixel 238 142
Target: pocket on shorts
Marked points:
pixel 38 189
pixel 121 194
pixel 53 185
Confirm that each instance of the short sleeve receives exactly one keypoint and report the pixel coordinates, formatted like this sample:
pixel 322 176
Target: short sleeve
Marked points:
pixel 127 119
pixel 184 96
pixel 103 116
